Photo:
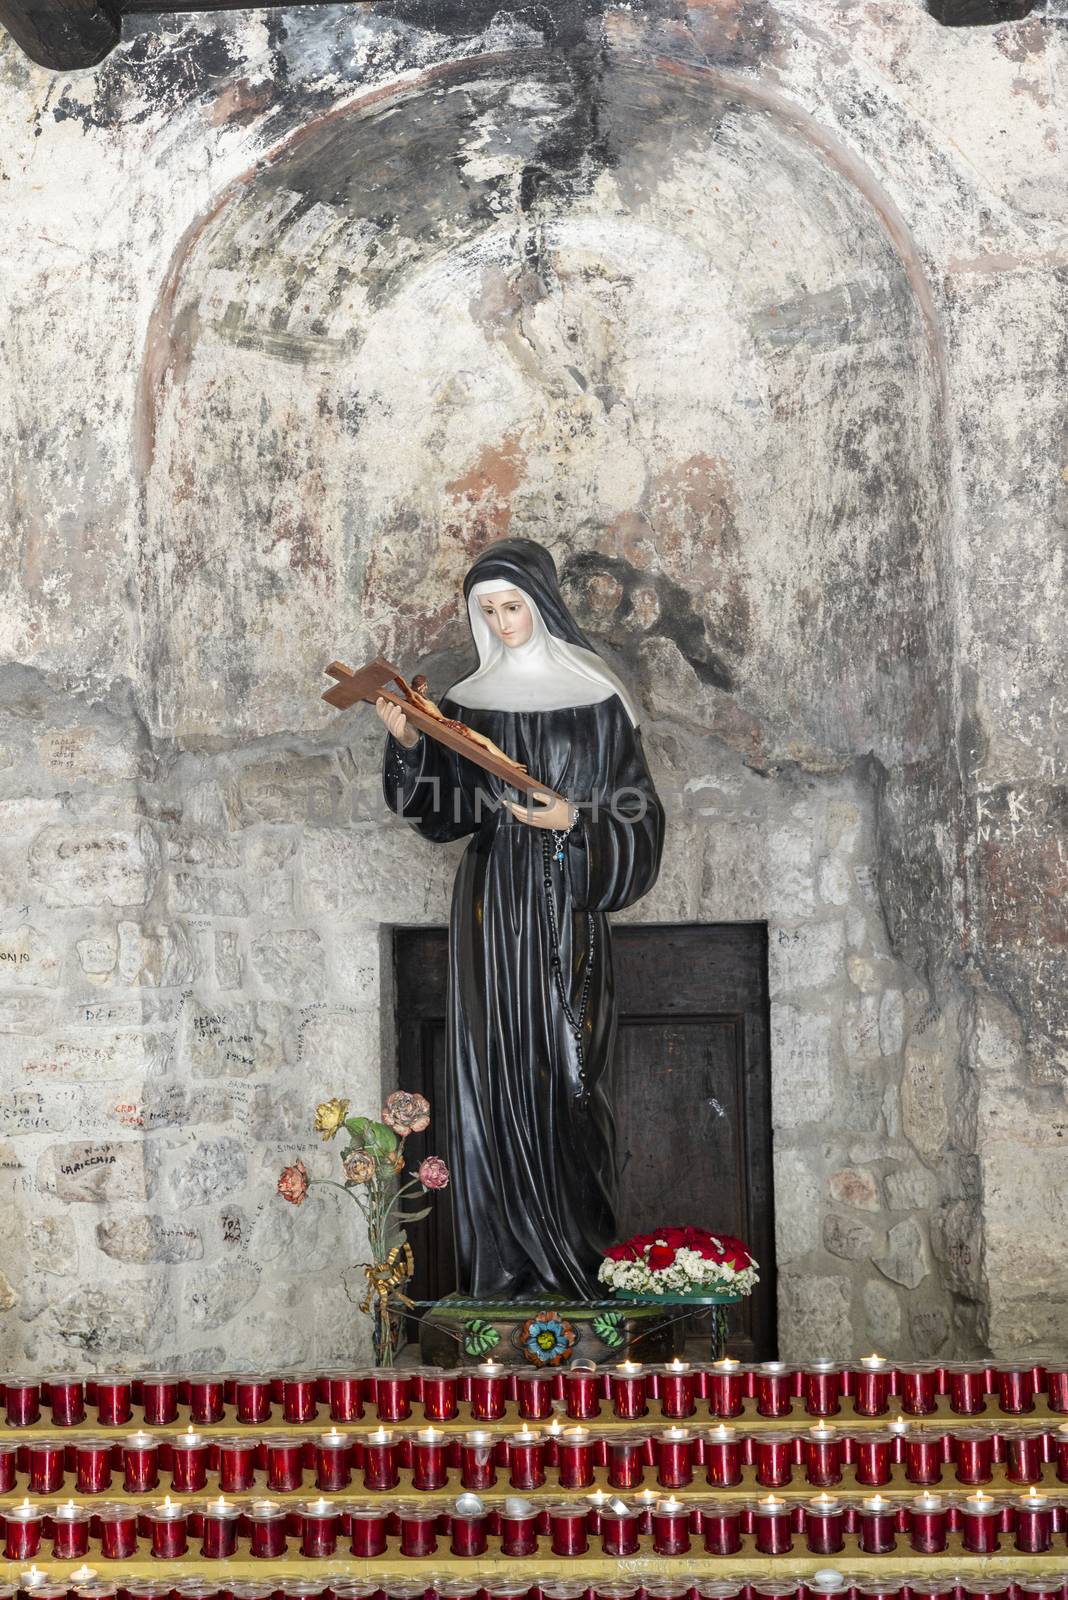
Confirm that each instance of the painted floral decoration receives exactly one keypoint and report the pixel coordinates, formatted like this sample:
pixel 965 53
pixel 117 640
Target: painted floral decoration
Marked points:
pixel 547 1339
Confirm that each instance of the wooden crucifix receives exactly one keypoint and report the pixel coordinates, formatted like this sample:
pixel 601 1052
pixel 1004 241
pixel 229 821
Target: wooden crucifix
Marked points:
pixel 369 683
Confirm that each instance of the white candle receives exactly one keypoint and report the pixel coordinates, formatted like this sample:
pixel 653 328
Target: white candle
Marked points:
pixel 723 1434
pixel 727 1364
pixel 873 1362
pixel 430 1435
pixel 675 1365
pixel 379 1436
pixel 928 1502
pixel 899 1426
pixel 670 1507
pixel 876 1502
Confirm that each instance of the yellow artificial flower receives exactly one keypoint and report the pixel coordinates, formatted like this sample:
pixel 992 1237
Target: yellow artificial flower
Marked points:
pixel 330 1117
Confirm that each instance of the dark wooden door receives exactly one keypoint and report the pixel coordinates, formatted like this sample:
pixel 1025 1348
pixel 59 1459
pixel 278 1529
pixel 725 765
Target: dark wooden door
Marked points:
pixel 693 1091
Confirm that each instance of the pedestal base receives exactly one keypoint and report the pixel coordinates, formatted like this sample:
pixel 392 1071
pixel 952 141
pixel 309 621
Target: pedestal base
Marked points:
pixel 546 1331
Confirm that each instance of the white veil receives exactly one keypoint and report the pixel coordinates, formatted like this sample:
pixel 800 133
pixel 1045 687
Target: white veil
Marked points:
pixel 544 674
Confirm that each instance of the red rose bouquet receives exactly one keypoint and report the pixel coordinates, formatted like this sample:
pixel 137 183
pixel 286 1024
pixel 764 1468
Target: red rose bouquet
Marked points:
pixel 677 1261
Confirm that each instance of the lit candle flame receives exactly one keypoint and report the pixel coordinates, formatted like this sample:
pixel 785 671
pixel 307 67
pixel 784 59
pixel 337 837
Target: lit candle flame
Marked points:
pixel 675 1365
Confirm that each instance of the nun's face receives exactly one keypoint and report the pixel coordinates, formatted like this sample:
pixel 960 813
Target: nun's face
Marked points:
pixel 508 616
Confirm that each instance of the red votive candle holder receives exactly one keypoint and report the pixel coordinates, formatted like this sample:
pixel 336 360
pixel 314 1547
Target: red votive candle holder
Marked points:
pixel 873 1459
pixel 267 1530
pixel 118 1531
pixel 333 1461
pixel 919 1391
pixel 1060 1450
pixel 318 1529
pixel 619 1530
pixel 168 1530
pixel 468 1527
pixel 1016 1389
pixel 22 1402
pixel 534 1395
pixel 66 1396
pixel 773 1527
pixel 973 1450
pixel 489 1391
pixel 285 1463
pixel 979 1515
pixel 526 1461
pixel 568 1528
pixel 625 1460
pixel 674 1458
pixel 237 1465
pixel 774 1396
pixel 574 1461
pixel 824 1449
pixel 140 1463
pixel 824 1518
pixel 218 1537
pixel 252 1399
pixel 1057 1388
pixel 677 1385
pixel 207 1400
pixel 9 1460
pixel 70 1531
pixel 1024 1455
pixel 114 1401
pixel 821 1386
pixel 872 1380
pixel 345 1392
pixel 1033 1523
pixel 967 1390
pixel 582 1392
pixel 22 1531
pixel 774 1459
pixel 379 1460
pixel 478 1465
pixel 923 1458
pixel 928 1524
pixel 723 1456
pixel 671 1528
pixel 429 1462
pixel 441 1396
pixel 877 1526
pixel 159 1399
pixel 393 1396
pixel 721 1527
pixel 189 1462
pixel 629 1390
pixel 725 1385
pixel 300 1399
pixel 418 1530
pixel 367 1531
pixel 92 1466
pixel 45 1461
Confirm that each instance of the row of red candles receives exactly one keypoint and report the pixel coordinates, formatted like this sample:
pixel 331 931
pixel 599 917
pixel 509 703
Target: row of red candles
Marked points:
pixel 827 1585
pixel 1032 1523
pixel 573 1455
pixel 489 1389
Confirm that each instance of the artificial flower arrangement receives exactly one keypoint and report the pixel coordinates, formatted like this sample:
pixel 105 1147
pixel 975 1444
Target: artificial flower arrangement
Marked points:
pixel 373 1161
pixel 679 1261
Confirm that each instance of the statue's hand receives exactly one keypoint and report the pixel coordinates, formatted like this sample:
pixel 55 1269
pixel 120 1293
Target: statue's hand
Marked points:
pixel 557 814
pixel 397 723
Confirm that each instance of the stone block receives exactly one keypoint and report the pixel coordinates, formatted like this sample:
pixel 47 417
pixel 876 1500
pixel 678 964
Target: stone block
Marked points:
pixel 343 870
pixel 79 864
pixel 356 959
pixel 27 958
pixel 834 881
pixel 860 1029
pixel 209 1172
pixel 96 1055
pixel 291 963
pixel 843 824
pixel 129 1324
pixel 290 788
pixel 905 1259
pixel 97 1173
pixel 809 957
pixel 1025 1216
pixel 923 1108
pixel 277 897
pixel 190 894
pixel 789 875
pixel 87 753
pixel 911 1188
pixel 217 1294
pixel 929 1327
pixel 220 1041
pixel 98 953
pixel 801 1068
pixel 53 1246
pixel 228 963
pixel 891 1022
pixel 853 1186
pixel 24 1013
pixel 957 1242
pixel 200 849
pixel 150 1238
pixel 848 1237
pixel 882 1318
pixel 797 1196
pixel 813 1317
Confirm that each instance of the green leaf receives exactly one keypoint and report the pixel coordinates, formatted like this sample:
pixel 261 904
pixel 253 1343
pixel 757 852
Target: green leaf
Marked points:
pixel 479 1337
pixel 608 1326
pixel 383 1137
pixel 358 1127
pixel 413 1216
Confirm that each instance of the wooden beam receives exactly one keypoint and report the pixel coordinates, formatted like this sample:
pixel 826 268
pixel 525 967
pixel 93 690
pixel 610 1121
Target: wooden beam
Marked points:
pixel 62 34
pixel 978 13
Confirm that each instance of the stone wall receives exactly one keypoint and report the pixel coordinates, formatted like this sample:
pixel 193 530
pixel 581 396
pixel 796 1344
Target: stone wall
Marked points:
pixel 747 310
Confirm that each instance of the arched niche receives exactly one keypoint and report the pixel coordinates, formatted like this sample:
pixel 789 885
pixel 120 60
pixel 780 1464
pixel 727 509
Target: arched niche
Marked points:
pixel 650 315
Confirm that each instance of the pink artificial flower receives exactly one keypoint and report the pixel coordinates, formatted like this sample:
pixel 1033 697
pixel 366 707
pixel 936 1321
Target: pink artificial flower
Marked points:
pixel 433 1173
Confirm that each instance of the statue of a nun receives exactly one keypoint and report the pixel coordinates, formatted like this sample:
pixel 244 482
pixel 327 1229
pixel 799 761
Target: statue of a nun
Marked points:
pixel 531 1008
